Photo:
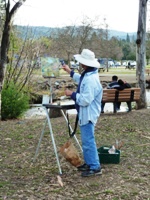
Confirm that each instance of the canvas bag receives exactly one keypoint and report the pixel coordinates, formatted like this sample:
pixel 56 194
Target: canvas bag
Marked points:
pixel 68 150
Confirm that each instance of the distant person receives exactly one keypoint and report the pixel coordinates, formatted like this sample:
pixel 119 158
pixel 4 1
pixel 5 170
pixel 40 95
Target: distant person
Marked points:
pixel 129 65
pixel 113 85
pixel 123 85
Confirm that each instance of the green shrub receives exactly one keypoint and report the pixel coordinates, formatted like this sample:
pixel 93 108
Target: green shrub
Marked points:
pixel 14 102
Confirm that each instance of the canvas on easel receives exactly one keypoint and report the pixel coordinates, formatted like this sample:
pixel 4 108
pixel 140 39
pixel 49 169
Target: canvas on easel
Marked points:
pixel 50 67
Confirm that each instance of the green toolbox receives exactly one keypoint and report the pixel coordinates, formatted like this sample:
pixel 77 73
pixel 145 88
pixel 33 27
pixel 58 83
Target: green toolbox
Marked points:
pixel 108 158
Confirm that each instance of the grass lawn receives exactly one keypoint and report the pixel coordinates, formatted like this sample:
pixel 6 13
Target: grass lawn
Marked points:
pixel 21 179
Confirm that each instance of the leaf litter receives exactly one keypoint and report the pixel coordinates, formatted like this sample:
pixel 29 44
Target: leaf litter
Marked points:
pixel 21 179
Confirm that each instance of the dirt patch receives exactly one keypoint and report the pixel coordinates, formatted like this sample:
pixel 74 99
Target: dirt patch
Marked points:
pixel 21 179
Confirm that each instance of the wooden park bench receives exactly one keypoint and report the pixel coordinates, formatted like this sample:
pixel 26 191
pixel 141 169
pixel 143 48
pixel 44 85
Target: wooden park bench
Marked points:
pixel 127 95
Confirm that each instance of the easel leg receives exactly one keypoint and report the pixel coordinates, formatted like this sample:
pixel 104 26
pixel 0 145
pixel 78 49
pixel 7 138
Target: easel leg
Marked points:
pixel 53 141
pixel 40 140
pixel 71 130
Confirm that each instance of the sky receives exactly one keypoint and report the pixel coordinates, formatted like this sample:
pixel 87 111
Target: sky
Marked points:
pixel 121 15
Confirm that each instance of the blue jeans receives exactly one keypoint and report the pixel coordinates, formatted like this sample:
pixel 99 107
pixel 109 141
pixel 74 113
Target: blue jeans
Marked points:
pixel 90 153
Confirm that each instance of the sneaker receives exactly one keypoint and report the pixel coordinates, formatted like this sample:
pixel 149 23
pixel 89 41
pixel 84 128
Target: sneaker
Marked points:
pixel 91 172
pixel 83 167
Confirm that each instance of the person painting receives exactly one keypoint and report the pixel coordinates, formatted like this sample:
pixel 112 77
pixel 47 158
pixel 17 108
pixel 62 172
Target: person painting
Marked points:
pixel 88 105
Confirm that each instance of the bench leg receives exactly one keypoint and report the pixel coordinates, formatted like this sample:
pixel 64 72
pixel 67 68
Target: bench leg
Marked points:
pixel 114 107
pixel 129 106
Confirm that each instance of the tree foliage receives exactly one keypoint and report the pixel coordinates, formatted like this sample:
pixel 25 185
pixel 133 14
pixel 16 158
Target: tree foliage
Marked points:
pixel 14 102
pixel 68 40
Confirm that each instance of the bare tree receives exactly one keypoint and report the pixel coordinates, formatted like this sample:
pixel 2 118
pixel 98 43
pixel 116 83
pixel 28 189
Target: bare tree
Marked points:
pixel 72 39
pixel 23 59
pixel 108 47
pixel 63 45
pixel 115 50
pixel 84 34
pixel 67 41
pixel 141 52
pixel 9 14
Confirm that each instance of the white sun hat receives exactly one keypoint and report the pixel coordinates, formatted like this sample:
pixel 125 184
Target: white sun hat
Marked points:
pixel 87 57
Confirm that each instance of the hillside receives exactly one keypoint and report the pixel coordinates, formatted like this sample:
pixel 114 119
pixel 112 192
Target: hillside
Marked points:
pixel 39 31
pixel 121 35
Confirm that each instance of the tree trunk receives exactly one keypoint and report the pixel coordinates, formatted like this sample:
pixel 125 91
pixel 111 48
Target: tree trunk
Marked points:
pixel 141 53
pixel 5 36
pixel 5 39
pixel 4 50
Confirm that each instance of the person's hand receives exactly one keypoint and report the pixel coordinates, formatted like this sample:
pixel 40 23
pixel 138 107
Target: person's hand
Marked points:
pixel 68 92
pixel 66 68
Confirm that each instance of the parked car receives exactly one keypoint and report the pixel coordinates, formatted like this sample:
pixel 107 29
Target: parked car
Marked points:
pixel 74 65
pixel 102 68
pixel 111 63
pixel 125 63
pixel 131 65
pixel 102 65
pixel 117 64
